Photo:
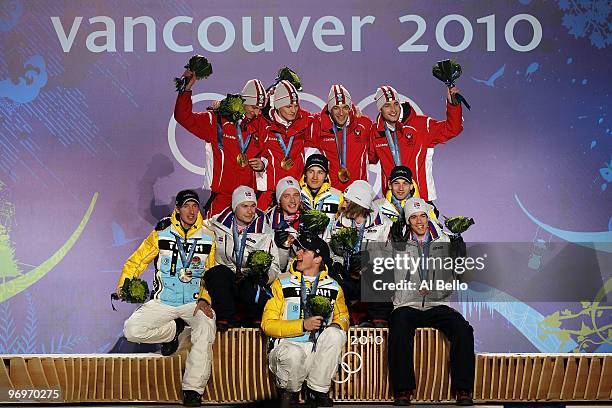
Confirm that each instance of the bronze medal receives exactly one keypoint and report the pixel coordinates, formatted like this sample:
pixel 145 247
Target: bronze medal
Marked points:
pixel 242 159
pixel 344 175
pixel 287 163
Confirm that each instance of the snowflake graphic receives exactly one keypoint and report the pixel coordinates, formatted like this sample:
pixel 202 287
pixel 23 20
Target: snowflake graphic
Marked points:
pixel 590 18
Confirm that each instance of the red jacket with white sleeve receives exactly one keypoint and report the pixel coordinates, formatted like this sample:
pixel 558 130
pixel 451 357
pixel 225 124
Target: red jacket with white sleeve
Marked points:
pixel 223 174
pixel 357 146
pixel 417 135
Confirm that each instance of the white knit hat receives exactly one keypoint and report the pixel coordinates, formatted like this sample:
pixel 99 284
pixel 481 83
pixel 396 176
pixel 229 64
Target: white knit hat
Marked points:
pixel 242 194
pixel 338 95
pixel 360 192
pixel 385 94
pixel 284 184
pixel 284 94
pixel 416 205
pixel 254 93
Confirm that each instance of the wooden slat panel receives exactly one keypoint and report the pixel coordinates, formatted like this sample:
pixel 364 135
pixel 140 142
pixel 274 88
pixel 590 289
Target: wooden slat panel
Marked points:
pixel 545 379
pixel 535 377
pixel 593 378
pixel 581 378
pixel 62 376
pixel 570 378
pixel 19 374
pixel 37 374
pixel 479 369
pixel 604 390
pixel 5 379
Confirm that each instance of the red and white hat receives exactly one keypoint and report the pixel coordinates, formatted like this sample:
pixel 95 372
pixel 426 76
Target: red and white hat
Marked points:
pixel 338 95
pixel 254 93
pixel 284 94
pixel 385 94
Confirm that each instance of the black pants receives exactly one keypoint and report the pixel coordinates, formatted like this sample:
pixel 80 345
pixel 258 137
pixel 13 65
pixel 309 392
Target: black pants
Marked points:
pixel 404 322
pixel 225 293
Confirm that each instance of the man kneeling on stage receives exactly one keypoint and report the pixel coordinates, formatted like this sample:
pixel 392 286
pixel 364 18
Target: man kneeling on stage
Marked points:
pixel 305 346
pixel 181 246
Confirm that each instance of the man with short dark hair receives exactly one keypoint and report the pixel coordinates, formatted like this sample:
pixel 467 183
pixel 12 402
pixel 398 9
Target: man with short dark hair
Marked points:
pixel 426 306
pixel 181 247
pixel 317 192
pixel 305 347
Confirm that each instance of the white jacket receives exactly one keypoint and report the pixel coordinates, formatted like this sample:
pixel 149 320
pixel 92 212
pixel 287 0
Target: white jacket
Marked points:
pixel 260 237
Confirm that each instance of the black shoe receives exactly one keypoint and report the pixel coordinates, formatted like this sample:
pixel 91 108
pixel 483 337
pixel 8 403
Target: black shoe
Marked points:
pixel 315 399
pixel 402 399
pixel 191 398
pixel 170 347
pixel 464 398
pixel 287 399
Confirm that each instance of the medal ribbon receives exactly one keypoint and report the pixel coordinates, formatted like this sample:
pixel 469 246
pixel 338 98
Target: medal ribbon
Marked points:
pixel 393 145
pixel 360 233
pixel 341 155
pixel 243 145
pixel 185 259
pixel 239 244
pixel 281 142
pixel 304 292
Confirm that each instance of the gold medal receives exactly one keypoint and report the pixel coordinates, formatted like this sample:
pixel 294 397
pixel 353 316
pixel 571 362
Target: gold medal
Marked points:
pixel 344 175
pixel 242 159
pixel 287 163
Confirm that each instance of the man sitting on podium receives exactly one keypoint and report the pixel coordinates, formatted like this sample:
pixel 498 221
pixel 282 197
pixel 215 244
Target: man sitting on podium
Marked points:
pixel 424 305
pixel 180 246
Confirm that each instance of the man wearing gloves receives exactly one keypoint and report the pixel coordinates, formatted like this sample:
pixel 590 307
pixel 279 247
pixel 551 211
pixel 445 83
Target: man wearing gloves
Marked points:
pixel 426 307
pixel 342 136
pixel 304 347
pixel 284 218
pixel 285 132
pixel 182 249
pixel 317 192
pixel 232 149
pixel 401 137
pixel 239 230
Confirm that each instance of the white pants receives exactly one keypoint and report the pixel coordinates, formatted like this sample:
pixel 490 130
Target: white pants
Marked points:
pixel 293 362
pixel 153 322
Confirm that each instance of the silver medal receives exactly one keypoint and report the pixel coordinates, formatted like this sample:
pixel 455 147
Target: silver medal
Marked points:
pixel 185 275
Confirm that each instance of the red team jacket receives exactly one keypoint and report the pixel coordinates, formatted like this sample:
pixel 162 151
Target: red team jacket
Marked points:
pixel 417 136
pixel 226 173
pixel 301 128
pixel 357 146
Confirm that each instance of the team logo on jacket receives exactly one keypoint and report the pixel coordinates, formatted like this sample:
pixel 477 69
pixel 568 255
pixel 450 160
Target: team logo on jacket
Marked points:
pixel 196 261
pixel 408 136
pixel 357 132
pixel 220 238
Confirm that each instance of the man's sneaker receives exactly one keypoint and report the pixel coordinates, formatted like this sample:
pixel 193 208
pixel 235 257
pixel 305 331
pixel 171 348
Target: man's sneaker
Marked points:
pixel 464 398
pixel 288 399
pixel 170 347
pixel 191 398
pixel 402 398
pixel 315 399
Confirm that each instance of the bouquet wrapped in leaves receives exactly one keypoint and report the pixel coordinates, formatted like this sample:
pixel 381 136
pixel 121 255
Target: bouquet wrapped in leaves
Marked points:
pixel 232 107
pixel 319 306
pixel 197 64
pixel 259 263
pixel 448 71
pixel 458 225
pixel 343 241
pixel 134 290
pixel 290 75
pixel 314 221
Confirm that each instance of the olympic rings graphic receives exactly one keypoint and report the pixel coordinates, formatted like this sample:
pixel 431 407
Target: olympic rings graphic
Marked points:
pixel 347 368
